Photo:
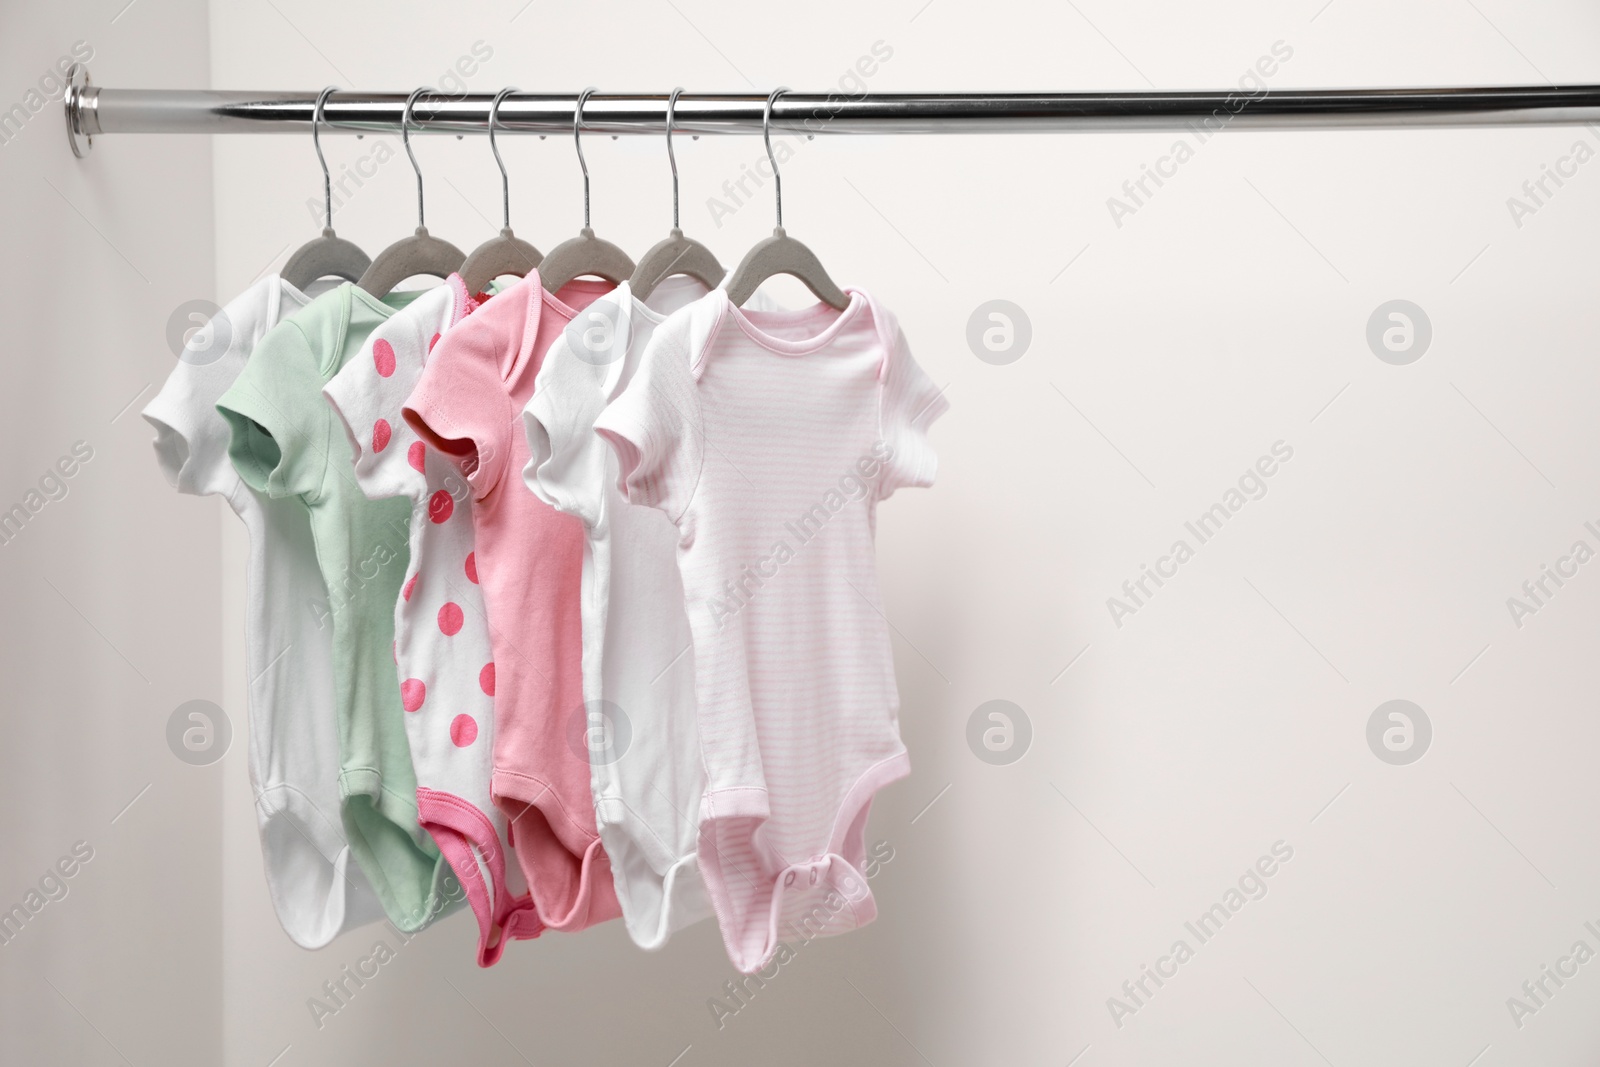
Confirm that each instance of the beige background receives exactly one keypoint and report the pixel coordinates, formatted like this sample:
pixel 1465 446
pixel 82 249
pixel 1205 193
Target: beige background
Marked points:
pixel 1227 313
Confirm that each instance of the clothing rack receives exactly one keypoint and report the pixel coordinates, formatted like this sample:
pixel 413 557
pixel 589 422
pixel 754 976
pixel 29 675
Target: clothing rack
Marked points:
pixel 92 110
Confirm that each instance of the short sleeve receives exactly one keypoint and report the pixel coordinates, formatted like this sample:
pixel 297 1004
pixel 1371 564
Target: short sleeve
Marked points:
pixel 460 406
pixel 191 437
pixel 567 460
pixel 191 440
pixel 278 424
pixel 654 426
pixel 368 394
pixel 909 404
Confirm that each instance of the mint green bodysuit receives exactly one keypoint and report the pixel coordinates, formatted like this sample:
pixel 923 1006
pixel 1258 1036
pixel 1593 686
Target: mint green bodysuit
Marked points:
pixel 288 442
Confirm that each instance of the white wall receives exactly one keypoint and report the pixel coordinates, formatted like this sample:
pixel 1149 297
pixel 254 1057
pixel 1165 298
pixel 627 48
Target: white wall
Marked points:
pixel 111 591
pixel 1226 313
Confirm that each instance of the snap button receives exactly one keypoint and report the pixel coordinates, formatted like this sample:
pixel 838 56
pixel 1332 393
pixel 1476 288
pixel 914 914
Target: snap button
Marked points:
pixel 813 876
pixel 788 879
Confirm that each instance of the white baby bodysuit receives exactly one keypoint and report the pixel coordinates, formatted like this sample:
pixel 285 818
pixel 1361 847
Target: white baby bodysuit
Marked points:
pixel 768 438
pixel 293 752
pixel 638 666
pixel 442 647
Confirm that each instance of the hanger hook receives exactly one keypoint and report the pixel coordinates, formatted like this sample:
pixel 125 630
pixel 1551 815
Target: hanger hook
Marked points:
pixel 672 107
pixel 577 139
pixel 316 142
pixel 505 182
pixel 766 136
pixel 405 137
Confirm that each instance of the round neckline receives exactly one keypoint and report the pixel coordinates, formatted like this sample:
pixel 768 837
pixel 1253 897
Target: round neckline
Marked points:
pixel 538 299
pixel 381 305
pixel 782 346
pixel 597 287
pixel 696 290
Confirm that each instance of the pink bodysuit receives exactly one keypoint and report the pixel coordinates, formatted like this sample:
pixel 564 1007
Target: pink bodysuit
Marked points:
pixel 768 438
pixel 529 560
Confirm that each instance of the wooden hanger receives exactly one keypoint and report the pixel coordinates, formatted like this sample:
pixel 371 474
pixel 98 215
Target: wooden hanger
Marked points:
pixel 327 256
pixel 585 253
pixel 421 253
pixel 676 254
pixel 507 253
pixel 780 253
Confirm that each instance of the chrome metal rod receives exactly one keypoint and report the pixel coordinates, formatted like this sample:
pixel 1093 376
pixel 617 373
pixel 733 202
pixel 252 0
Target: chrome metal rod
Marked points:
pixel 92 111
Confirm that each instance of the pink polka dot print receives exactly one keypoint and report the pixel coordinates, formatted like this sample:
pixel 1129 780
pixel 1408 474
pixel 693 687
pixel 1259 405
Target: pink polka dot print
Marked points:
pixel 413 693
pixel 472 567
pixel 411 583
pixel 416 455
pixel 380 435
pixel 441 506
pixel 450 619
pixel 383 357
pixel 486 679
pixel 432 341
pixel 463 730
